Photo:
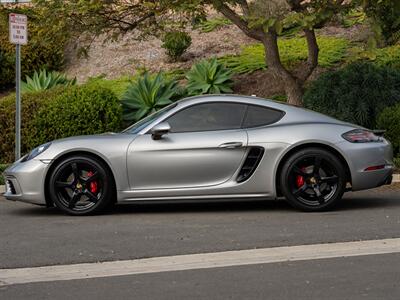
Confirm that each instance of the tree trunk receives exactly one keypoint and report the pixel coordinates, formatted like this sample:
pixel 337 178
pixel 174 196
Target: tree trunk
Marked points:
pixel 293 86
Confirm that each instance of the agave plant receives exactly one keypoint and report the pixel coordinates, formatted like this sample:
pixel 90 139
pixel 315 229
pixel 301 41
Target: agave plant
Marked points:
pixel 45 80
pixel 209 77
pixel 147 95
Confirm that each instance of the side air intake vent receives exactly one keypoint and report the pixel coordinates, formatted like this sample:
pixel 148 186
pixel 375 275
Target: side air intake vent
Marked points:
pixel 250 164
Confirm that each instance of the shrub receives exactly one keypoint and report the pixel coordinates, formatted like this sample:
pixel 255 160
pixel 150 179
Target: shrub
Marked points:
pixel 209 77
pixel 389 120
pixel 176 43
pixel 44 81
pixel 31 104
pixel 78 110
pixel 118 85
pixel 292 51
pixel 45 49
pixel 356 93
pixel 147 95
pixel 210 25
pixel 2 168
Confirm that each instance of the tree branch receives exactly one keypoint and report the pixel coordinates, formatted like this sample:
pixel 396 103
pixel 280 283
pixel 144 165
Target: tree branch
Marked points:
pixel 237 20
pixel 313 53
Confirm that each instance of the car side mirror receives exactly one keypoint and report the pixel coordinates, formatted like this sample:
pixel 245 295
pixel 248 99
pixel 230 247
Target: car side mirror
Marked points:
pixel 159 130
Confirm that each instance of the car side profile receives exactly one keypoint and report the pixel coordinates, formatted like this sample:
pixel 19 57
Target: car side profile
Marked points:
pixel 207 147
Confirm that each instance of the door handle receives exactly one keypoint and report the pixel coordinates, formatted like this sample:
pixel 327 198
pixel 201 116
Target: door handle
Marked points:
pixel 231 145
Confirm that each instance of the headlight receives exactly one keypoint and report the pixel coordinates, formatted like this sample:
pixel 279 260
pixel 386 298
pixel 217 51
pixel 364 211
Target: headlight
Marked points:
pixel 35 152
pixel 361 136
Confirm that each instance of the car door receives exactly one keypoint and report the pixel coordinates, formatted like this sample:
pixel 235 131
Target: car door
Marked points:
pixel 204 147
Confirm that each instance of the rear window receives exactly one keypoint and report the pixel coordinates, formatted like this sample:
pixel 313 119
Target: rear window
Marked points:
pixel 260 116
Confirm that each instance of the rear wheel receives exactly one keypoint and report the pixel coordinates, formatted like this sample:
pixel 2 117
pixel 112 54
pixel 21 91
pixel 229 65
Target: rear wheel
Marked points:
pixel 81 185
pixel 313 179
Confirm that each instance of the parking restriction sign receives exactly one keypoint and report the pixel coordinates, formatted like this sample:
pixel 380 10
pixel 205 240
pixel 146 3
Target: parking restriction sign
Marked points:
pixel 18 29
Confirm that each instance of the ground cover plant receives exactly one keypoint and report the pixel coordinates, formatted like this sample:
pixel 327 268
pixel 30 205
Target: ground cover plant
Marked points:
pixel 293 51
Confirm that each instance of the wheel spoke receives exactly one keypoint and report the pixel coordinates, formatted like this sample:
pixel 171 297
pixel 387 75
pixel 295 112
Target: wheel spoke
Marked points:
pixel 300 189
pixel 91 178
pixel 319 195
pixel 92 197
pixel 61 184
pixel 75 171
pixel 74 199
pixel 317 165
pixel 330 179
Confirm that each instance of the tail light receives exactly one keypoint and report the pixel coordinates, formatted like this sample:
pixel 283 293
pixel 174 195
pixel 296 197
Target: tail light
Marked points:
pixel 361 136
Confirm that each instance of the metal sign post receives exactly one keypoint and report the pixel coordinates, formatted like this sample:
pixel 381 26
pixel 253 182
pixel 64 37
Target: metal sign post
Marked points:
pixel 18 36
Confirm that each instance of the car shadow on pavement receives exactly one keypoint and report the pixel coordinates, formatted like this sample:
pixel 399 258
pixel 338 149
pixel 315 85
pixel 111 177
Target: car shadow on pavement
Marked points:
pixel 221 207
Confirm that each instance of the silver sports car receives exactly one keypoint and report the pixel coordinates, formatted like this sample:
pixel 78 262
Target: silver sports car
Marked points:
pixel 207 147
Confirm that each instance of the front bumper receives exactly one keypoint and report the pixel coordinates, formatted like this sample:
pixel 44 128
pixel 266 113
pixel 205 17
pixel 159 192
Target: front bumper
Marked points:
pixel 25 181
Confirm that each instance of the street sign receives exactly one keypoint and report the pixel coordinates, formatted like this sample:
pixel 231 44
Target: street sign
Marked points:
pixel 18 29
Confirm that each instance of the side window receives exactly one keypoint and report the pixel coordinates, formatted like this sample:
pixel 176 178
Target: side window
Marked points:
pixel 261 116
pixel 208 116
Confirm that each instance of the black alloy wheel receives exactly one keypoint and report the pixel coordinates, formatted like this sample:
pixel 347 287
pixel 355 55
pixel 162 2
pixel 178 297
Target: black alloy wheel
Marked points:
pixel 313 180
pixel 81 185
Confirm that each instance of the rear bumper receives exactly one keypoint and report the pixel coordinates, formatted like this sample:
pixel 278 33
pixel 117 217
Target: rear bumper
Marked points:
pixel 25 182
pixel 362 156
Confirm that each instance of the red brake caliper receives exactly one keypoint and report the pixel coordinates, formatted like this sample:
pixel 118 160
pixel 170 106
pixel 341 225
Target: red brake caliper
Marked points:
pixel 300 179
pixel 93 184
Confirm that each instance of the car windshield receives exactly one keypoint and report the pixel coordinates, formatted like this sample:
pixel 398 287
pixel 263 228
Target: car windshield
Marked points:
pixel 137 127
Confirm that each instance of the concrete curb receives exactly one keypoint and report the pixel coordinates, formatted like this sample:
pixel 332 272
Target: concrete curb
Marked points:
pixel 396 178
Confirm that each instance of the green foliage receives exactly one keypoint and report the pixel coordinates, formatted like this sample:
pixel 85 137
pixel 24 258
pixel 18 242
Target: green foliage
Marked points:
pixel 176 43
pixel 209 77
pixel 385 15
pixel 118 85
pixel 147 95
pixel 45 49
pixel 212 24
pixel 78 110
pixel 31 104
pixel 353 17
pixel 45 80
pixel 389 120
pixel 396 162
pixel 356 93
pixel 2 168
pixel 388 56
pixel 292 51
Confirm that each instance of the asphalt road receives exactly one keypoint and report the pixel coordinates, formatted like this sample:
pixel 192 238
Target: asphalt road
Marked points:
pixel 33 236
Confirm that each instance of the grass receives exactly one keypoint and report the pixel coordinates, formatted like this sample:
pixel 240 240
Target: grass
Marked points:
pixel 2 168
pixel 293 51
pixel 396 161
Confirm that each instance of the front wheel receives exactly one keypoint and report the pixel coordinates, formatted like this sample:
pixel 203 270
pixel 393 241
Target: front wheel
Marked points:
pixel 81 185
pixel 313 179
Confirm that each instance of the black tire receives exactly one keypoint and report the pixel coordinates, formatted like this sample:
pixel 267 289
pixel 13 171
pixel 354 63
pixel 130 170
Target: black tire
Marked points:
pixel 313 179
pixel 81 185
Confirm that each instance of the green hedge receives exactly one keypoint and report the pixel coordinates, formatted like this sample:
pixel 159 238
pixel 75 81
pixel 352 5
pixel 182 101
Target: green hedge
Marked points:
pixel 58 113
pixel 389 120
pixel 31 103
pixel 356 93
pixel 2 168
pixel 45 49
